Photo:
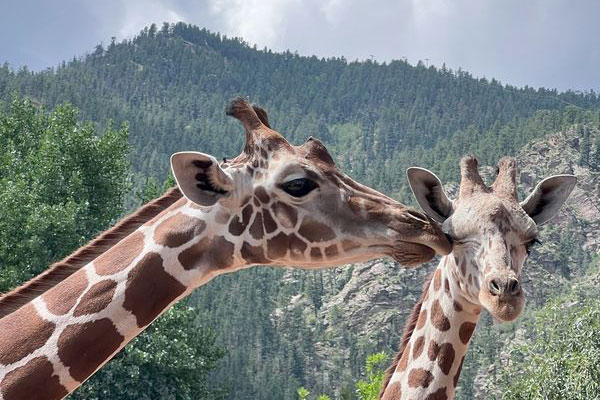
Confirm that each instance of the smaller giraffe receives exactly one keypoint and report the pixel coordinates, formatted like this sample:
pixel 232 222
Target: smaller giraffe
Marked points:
pixel 492 234
pixel 274 204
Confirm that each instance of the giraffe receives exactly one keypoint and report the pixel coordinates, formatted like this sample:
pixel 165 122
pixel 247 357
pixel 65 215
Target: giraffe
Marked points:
pixel 274 204
pixel 491 234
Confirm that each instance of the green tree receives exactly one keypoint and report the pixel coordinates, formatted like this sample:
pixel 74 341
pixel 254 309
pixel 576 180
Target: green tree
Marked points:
pixel 561 362
pixel 375 368
pixel 60 184
pixel 595 155
pixel 585 147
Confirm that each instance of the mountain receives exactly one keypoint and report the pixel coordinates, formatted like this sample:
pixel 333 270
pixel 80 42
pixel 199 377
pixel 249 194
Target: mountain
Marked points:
pixel 286 328
pixel 172 84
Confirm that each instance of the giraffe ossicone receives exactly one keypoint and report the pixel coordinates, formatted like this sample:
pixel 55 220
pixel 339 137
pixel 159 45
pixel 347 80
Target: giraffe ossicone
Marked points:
pixel 274 204
pixel 492 233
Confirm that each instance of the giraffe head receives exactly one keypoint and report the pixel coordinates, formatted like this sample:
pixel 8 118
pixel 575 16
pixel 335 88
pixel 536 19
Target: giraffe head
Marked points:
pixel 492 232
pixel 290 205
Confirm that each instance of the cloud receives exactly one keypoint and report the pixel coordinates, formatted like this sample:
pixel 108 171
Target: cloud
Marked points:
pixel 257 21
pixel 548 43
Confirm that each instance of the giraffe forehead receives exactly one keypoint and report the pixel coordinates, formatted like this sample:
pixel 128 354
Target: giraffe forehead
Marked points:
pixel 488 214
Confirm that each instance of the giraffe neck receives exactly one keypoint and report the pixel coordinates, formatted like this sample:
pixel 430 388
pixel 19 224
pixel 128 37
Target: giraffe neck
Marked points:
pixel 432 359
pixel 52 344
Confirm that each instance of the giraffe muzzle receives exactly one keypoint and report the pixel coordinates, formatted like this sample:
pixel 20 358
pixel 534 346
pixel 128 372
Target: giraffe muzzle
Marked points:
pixel 504 286
pixel 502 296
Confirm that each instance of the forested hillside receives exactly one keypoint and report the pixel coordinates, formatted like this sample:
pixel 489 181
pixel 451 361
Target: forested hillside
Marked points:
pixel 285 329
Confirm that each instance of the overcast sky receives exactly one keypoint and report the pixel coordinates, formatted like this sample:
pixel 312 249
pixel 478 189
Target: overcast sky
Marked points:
pixel 550 43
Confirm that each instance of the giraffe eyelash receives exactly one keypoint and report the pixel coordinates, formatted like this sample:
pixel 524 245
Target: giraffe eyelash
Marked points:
pixel 530 244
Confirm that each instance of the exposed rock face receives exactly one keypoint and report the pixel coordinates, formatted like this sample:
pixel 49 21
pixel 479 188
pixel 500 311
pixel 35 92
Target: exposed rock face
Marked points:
pixel 368 313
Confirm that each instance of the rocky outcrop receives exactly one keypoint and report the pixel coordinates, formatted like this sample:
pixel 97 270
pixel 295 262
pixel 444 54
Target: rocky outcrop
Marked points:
pixel 369 311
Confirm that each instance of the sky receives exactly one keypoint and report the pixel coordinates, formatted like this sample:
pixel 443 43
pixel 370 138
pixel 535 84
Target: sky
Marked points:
pixel 549 43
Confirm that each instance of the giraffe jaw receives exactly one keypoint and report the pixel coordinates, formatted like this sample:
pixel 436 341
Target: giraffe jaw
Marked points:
pixel 411 254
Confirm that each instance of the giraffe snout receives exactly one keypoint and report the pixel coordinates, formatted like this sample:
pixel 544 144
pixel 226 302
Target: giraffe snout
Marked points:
pixel 503 286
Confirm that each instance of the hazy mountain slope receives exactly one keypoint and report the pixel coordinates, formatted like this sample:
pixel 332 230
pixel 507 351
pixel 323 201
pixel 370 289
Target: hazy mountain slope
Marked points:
pixel 172 85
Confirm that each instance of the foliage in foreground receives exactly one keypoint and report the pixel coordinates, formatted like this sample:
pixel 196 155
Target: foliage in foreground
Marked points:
pixel 563 359
pixel 365 389
pixel 375 366
pixel 60 184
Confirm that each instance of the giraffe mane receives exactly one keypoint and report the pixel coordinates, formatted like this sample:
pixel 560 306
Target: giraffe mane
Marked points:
pixel 409 328
pixel 62 269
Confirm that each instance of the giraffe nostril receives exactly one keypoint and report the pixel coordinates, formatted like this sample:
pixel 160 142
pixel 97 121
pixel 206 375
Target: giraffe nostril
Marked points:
pixel 494 287
pixel 514 287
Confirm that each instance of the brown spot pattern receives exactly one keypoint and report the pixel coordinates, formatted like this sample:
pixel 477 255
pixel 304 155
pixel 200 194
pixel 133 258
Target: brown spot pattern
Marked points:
pixel 419 377
pixel 433 350
pixel 262 195
pixel 297 247
pixel 247 214
pixel 315 254
pixel 446 357
pixel 466 331
pixel 96 298
pixel 438 318
pixel 61 298
pixel 191 256
pixel 418 347
pixel 253 254
pixel 236 227
pixel 349 245
pixel 177 230
pixel 221 254
pixel 439 394
pixel 256 229
pixel 268 221
pixel 457 306
pixel 331 251
pixel 84 347
pixel 21 333
pixel 121 255
pixel 393 392
pixel 463 267
pixel 315 231
pixel 404 359
pixel 34 380
pixel 286 215
pixel 447 287
pixel 216 252
pixel 422 319
pixel 277 246
pixel 150 289
pixel 437 276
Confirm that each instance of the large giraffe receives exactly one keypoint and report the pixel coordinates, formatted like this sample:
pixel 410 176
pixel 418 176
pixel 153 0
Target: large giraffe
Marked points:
pixel 274 204
pixel 492 234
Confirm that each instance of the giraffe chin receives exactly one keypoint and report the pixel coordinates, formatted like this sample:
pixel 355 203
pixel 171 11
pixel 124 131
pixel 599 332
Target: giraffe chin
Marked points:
pixel 503 308
pixel 412 254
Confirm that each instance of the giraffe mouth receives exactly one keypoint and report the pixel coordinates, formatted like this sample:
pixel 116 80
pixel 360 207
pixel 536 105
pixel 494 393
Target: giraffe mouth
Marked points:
pixel 411 254
pixel 503 308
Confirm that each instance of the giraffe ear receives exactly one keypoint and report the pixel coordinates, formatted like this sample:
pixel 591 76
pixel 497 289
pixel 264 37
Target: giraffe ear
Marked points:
pixel 200 177
pixel 548 196
pixel 429 193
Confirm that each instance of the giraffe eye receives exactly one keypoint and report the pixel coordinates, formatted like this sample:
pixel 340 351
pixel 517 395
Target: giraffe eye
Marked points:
pixel 299 187
pixel 530 244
